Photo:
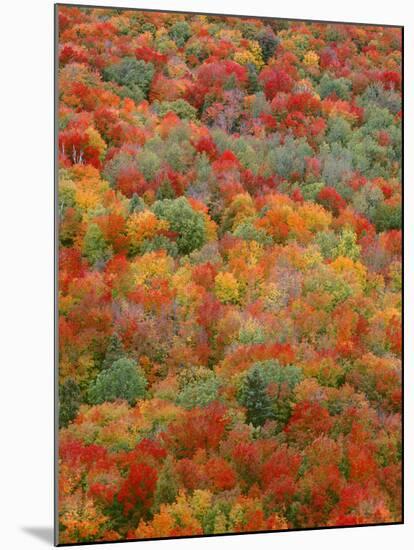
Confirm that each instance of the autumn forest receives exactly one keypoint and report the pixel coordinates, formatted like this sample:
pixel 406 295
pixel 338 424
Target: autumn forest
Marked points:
pixel 230 240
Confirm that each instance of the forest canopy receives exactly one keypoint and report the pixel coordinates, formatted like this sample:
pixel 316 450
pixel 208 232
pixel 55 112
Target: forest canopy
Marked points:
pixel 230 216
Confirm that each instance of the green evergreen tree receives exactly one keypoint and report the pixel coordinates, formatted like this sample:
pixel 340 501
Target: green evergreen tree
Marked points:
pixel 136 204
pixel 255 398
pixel 69 402
pixel 268 42
pixel 114 351
pixel 388 217
pixel 165 190
pixel 167 485
pixel 284 380
pixel 253 85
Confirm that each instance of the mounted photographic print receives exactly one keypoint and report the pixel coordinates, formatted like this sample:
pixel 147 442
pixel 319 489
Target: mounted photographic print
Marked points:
pixel 229 281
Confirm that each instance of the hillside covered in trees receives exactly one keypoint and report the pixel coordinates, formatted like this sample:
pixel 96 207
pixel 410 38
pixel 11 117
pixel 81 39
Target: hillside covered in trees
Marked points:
pixel 229 201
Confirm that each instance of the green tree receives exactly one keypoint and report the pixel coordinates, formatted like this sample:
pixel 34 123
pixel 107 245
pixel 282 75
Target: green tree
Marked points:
pixel 69 402
pixel 282 380
pixel 339 130
pixel 347 245
pixel 95 247
pixel 248 232
pixel 136 204
pixel 114 351
pixel 159 242
pixel 259 105
pixel 199 393
pixel 289 156
pixel 165 190
pixel 182 219
pixel 268 42
pixel 123 380
pixel 180 32
pixel 340 86
pixel 310 190
pixel 180 107
pixel 327 242
pixel 253 84
pixel 131 73
pixel 148 163
pixel 367 200
pixel 254 397
pixel 388 217
pixel 251 332
pixel 167 485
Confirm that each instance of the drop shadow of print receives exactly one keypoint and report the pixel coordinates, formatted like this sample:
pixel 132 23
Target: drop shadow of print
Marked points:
pixel 42 533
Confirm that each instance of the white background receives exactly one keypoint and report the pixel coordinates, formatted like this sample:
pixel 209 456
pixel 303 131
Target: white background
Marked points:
pixel 26 271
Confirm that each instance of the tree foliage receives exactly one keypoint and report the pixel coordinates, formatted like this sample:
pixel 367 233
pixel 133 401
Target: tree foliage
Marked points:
pixel 121 381
pixel 183 220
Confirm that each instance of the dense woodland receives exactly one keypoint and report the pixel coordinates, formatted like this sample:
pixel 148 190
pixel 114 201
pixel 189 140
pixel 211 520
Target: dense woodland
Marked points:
pixel 229 274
